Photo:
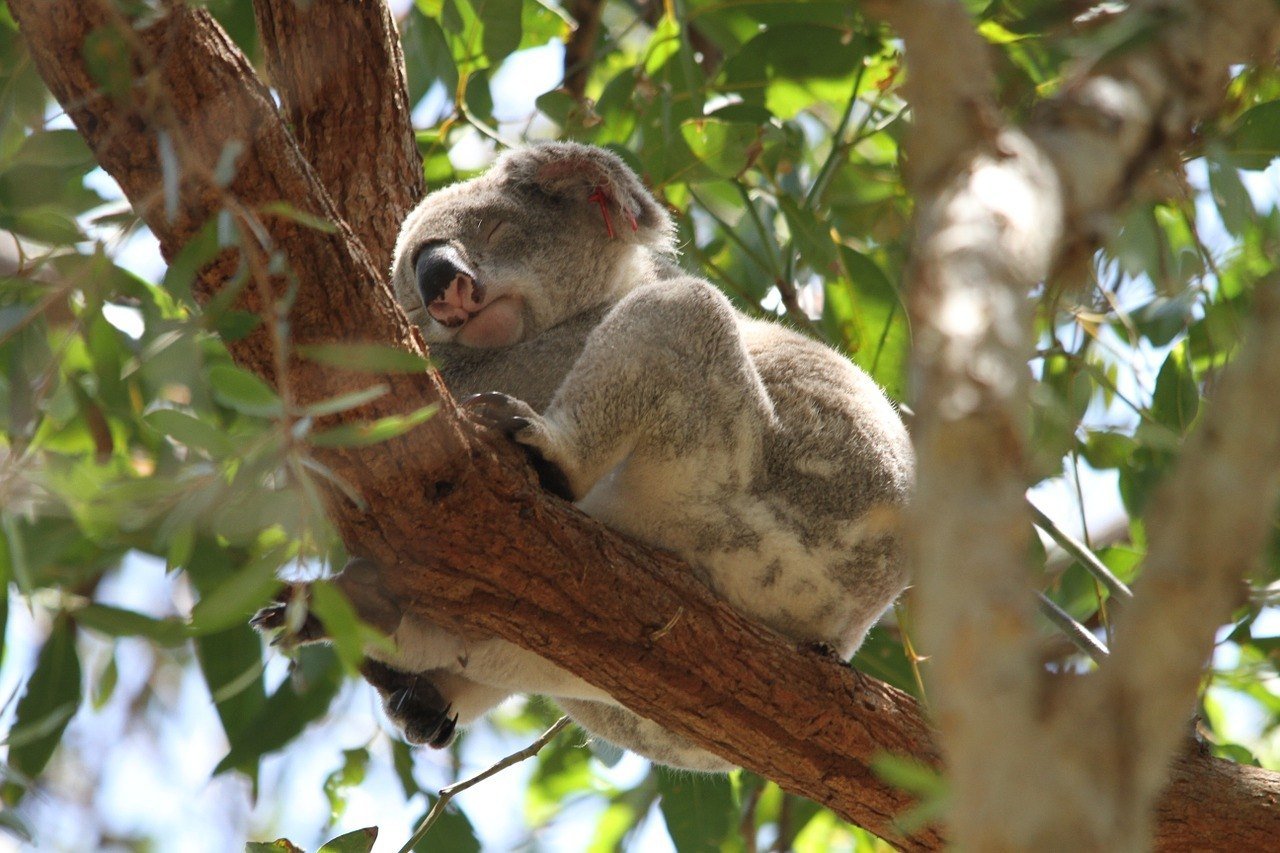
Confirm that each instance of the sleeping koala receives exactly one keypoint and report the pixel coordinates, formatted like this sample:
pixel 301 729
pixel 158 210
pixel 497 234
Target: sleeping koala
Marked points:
pixel 547 289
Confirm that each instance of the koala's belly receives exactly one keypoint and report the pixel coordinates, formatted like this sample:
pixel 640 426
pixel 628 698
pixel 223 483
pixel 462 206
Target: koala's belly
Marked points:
pixel 748 551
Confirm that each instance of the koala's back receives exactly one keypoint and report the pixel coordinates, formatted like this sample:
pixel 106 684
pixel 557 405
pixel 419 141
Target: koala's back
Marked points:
pixel 836 472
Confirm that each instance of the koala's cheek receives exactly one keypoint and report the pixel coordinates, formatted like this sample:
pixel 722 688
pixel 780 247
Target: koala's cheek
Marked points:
pixel 500 324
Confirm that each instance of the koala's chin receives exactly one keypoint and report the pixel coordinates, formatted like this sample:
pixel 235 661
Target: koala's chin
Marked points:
pixel 549 290
pixel 498 324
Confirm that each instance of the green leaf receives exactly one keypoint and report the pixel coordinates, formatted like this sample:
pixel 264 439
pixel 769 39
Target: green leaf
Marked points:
pixel 368 358
pixel 1164 318
pixel 371 432
pixel 280 845
pixel 119 622
pixel 231 660
pixel 478 97
pixel 189 430
pixel 240 390
pixel 237 596
pixel 44 224
pixel 49 702
pixel 302 698
pixel 926 783
pixel 451 832
pixel 1254 141
pixel 110 63
pixel 287 211
pixel 199 251
pixel 1233 201
pixel 344 402
pixel 427 57
pixel 1177 396
pixel 725 147
pixel 502 27
pixel 61 149
pixel 700 811
pixel 340 781
pixel 12 822
pixel 106 684
pixel 813 241
pixel 402 760
pixel 357 841
pixel 340 622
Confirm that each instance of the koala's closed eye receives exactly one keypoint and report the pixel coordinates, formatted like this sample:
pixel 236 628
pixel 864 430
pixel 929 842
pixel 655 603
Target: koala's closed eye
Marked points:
pixel 494 230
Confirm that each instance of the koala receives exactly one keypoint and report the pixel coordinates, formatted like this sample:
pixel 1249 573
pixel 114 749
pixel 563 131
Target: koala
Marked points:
pixel 549 295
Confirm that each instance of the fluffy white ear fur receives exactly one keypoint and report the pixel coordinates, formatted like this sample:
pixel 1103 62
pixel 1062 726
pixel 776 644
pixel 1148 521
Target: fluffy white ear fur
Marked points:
pixel 593 176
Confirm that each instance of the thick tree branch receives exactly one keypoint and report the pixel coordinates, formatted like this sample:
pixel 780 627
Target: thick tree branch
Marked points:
pixel 998 209
pixel 462 532
pixel 339 71
pixel 1207 527
pixel 490 552
pixel 580 49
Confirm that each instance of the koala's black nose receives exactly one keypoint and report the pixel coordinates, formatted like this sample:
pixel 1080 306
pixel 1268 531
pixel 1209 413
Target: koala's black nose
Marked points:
pixel 436 266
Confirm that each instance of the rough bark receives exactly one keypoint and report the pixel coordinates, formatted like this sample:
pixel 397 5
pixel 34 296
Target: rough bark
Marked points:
pixel 463 533
pixel 1078 765
pixel 339 71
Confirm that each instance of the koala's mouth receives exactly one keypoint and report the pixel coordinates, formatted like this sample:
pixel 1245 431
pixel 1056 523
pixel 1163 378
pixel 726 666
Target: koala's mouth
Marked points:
pixel 480 316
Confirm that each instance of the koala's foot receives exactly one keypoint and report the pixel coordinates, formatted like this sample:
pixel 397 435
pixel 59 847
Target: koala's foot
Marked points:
pixel 823 648
pixel 275 617
pixel 519 422
pixel 413 704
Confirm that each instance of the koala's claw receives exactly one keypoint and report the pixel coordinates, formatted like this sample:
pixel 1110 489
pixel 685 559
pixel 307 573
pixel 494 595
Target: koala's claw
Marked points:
pixel 501 412
pixel 413 704
pixel 519 422
pixel 421 719
pixel 275 617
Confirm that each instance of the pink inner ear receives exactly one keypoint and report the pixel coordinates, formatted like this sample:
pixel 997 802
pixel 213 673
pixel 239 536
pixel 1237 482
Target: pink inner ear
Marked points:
pixel 601 196
pixel 567 172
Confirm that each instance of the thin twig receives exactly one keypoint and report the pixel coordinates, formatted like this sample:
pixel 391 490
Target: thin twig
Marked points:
pixel 449 792
pixel 1077 549
pixel 1078 634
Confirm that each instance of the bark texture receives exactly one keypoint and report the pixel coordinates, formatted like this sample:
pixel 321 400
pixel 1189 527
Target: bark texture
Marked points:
pixel 463 533
pixel 1078 765
pixel 339 71
pixel 580 49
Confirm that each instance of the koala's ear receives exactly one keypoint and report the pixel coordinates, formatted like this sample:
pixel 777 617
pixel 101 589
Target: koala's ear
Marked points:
pixel 595 177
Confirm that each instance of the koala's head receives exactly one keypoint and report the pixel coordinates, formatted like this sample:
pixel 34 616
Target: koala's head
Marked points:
pixel 550 231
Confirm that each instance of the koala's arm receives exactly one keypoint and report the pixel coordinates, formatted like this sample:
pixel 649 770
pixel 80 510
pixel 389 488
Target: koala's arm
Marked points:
pixel 663 370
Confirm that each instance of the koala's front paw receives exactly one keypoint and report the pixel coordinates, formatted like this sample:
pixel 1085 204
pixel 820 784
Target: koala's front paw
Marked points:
pixel 413 704
pixel 518 421
pixel 275 617
pixel 506 414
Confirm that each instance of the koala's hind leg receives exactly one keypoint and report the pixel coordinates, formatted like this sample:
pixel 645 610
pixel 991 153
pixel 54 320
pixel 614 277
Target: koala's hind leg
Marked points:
pixel 643 737
pixel 429 706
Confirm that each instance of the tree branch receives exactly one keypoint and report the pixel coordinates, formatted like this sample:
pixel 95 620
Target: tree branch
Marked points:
pixel 339 71
pixel 999 208
pixel 463 534
pixel 580 49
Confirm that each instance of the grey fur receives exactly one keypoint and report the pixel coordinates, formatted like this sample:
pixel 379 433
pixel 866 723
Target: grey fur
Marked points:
pixel 766 460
